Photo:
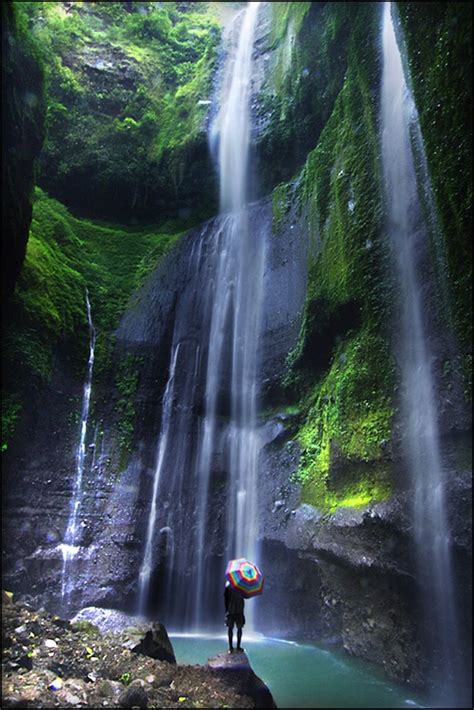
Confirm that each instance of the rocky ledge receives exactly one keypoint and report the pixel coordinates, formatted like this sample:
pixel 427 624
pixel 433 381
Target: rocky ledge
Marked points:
pixel 50 662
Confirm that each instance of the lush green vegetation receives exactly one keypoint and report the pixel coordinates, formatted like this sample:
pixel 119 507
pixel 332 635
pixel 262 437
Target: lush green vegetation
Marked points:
pixel 127 91
pixel 349 415
pixel 48 312
pixel 341 370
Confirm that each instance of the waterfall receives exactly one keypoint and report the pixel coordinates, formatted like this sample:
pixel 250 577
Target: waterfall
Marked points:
pixel 69 547
pixel 239 298
pixel 208 440
pixel 421 446
pixel 146 567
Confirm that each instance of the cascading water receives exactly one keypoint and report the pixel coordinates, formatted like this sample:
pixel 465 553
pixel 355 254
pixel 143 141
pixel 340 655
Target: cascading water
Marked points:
pixel 209 410
pixel 240 279
pixel 421 445
pixel 69 546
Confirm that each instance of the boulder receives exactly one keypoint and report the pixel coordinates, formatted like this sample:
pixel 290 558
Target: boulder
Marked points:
pixel 106 620
pixel 136 634
pixel 235 670
pixel 153 642
pixel 133 696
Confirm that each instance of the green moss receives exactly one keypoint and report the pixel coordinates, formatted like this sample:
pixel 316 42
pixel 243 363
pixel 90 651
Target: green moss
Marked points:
pixel 85 627
pixel 280 206
pixel 182 116
pixel 307 71
pixel 126 382
pixel 348 412
pixel 11 408
pixel 357 495
pixel 285 14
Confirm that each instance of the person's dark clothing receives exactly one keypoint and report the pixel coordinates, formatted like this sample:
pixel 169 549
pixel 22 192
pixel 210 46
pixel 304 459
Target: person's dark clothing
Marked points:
pixel 234 606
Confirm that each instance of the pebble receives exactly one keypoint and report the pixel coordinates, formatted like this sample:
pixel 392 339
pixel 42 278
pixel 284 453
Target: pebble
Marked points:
pixel 72 699
pixel 50 643
pixel 20 629
pixel 106 689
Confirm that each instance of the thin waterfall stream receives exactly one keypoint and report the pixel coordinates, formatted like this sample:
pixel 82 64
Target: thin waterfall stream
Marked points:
pixel 71 538
pixel 418 400
pixel 212 386
pixel 145 570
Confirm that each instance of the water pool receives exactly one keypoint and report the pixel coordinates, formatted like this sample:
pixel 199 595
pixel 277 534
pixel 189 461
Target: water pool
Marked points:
pixel 304 675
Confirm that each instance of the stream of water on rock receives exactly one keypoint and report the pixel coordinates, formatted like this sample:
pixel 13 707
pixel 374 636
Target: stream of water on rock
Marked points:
pixel 209 409
pixel 408 235
pixel 69 546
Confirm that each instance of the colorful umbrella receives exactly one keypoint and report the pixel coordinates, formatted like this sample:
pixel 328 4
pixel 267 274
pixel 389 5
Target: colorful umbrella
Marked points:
pixel 245 577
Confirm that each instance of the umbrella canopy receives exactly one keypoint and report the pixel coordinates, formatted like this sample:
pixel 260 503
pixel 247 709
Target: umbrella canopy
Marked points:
pixel 245 577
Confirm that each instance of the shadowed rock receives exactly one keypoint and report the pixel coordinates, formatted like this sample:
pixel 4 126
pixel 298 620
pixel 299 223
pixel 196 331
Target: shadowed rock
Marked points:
pixel 235 670
pixel 155 643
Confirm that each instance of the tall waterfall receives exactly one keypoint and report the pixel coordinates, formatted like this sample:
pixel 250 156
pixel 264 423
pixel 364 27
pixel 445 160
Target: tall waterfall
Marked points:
pixel 240 279
pixel 407 233
pixel 209 441
pixel 71 537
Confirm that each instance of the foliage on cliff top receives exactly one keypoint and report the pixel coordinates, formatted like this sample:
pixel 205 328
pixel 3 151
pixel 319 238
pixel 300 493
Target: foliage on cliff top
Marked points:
pixel 127 85
pixel 48 312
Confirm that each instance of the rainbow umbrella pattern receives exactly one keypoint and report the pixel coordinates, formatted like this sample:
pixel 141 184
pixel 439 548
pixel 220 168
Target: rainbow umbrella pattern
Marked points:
pixel 245 577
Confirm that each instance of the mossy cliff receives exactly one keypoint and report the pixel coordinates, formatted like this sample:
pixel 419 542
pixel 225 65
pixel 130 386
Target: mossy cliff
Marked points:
pixel 126 104
pixel 341 373
pixel 23 116
pixel 339 493
pixel 306 48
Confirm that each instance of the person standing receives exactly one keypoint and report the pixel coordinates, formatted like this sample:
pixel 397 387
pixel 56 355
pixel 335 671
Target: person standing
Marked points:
pixel 234 607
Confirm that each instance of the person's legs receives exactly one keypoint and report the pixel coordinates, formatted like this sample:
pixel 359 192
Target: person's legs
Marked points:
pixel 230 633
pixel 239 638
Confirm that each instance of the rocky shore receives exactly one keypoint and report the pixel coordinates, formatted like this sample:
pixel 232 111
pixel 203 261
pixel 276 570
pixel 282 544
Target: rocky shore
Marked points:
pixel 49 662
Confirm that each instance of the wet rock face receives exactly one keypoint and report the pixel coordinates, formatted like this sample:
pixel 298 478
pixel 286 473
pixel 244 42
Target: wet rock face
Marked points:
pixel 147 321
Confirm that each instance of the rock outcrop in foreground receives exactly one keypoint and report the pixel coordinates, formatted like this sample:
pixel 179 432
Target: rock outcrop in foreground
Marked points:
pixel 49 662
